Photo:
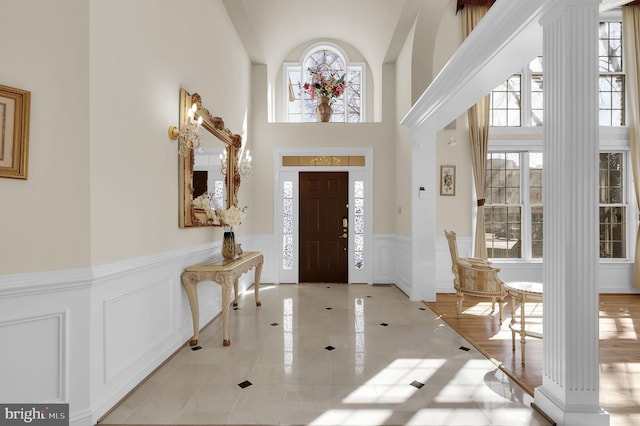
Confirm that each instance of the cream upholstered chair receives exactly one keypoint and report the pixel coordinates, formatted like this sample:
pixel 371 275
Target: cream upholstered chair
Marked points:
pixel 475 277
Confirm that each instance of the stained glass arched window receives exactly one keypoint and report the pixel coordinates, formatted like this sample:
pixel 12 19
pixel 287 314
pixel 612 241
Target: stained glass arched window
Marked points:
pixel 324 68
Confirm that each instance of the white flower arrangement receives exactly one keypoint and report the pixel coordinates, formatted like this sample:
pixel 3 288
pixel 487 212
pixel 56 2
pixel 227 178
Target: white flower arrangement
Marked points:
pixel 202 201
pixel 218 216
pixel 230 217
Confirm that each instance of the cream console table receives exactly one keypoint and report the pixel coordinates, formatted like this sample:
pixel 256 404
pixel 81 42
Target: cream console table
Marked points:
pixel 226 273
pixel 522 292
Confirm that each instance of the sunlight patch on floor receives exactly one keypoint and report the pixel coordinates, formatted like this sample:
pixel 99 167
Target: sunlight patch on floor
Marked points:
pixel 352 417
pixel 393 383
pixel 623 328
pixel 481 309
pixel 449 416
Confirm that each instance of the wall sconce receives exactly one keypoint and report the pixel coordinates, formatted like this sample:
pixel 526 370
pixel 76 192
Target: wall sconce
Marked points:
pixel 189 134
pixel 244 163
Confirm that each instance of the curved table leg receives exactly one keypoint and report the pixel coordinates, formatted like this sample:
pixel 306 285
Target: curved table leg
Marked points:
pixel 190 286
pixel 513 323
pixel 226 284
pixel 235 292
pixel 459 299
pixel 523 332
pixel 256 284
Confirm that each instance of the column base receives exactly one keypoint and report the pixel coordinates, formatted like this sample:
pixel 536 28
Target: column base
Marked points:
pixel 568 415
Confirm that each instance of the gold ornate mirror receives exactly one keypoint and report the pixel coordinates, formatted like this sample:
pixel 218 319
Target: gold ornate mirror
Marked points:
pixel 190 215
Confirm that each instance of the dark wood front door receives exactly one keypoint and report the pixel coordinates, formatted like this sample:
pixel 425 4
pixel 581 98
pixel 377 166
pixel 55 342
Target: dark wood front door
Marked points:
pixel 323 244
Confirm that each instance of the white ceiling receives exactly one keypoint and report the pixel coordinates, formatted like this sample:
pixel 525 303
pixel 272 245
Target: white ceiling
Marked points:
pixel 270 29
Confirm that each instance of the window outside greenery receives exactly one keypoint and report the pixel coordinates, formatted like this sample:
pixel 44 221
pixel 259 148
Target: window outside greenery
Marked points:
pixel 512 177
pixel 535 202
pixel 613 209
pixel 513 209
pixel 503 207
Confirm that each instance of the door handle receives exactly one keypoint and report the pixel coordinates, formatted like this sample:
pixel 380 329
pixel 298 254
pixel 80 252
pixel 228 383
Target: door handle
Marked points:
pixel 344 235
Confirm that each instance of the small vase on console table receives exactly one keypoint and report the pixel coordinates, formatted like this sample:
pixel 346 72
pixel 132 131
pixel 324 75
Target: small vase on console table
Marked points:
pixel 229 244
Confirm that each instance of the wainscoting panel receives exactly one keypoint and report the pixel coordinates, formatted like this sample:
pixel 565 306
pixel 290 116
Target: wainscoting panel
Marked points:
pixel 616 278
pixel 134 322
pixel 140 317
pixel 33 358
pixel 402 273
pixel 44 340
pixel 383 260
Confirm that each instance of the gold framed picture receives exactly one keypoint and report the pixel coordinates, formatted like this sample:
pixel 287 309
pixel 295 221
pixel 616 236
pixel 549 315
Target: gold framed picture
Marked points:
pixel 447 180
pixel 15 105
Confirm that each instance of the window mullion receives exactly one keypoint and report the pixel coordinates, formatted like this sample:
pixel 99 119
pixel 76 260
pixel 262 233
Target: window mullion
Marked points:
pixel 525 211
pixel 525 98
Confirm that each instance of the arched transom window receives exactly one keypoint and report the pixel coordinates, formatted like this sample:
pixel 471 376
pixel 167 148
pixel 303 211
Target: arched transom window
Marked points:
pixel 324 65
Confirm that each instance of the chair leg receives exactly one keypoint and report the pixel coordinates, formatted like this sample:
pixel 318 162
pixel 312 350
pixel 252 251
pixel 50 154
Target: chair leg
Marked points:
pixel 459 298
pixel 493 305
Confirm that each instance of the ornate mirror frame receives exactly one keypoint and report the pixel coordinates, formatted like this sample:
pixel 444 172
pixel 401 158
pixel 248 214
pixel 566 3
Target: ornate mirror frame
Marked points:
pixel 190 216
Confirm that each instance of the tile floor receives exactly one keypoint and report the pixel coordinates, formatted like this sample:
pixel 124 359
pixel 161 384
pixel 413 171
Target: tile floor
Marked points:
pixel 329 354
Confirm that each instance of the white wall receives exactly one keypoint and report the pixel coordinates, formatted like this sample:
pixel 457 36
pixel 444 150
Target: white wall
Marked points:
pixel 136 74
pixel 44 223
pixel 90 297
pixel 90 244
pixel 403 145
pixel 453 213
pixel 268 136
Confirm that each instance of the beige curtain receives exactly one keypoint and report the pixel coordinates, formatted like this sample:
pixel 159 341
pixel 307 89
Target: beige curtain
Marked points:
pixel 631 37
pixel 478 116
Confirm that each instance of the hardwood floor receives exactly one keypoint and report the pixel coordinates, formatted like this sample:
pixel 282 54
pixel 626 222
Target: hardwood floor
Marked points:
pixel 619 347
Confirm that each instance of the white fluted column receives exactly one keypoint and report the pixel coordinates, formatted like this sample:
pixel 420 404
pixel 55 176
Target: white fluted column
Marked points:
pixel 570 383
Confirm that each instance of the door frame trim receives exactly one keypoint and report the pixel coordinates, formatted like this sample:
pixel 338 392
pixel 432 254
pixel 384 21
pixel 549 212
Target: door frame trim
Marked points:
pixel 291 173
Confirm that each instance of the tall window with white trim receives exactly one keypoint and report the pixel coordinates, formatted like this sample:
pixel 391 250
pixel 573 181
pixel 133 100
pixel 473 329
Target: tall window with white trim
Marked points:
pixel 287 225
pixel 613 206
pixel 358 231
pixel 611 109
pixel 513 209
pixel 514 213
pixel 329 60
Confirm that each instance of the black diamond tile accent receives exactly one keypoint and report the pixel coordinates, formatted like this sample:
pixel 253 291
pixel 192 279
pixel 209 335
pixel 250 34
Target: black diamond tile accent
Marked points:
pixel 417 384
pixel 235 309
pixel 328 309
pixel 245 384
pixel 464 348
pixel 369 296
pixel 384 324
pixel 329 348
pixel 274 324
pixel 423 309
pixel 195 348
pixel 328 286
